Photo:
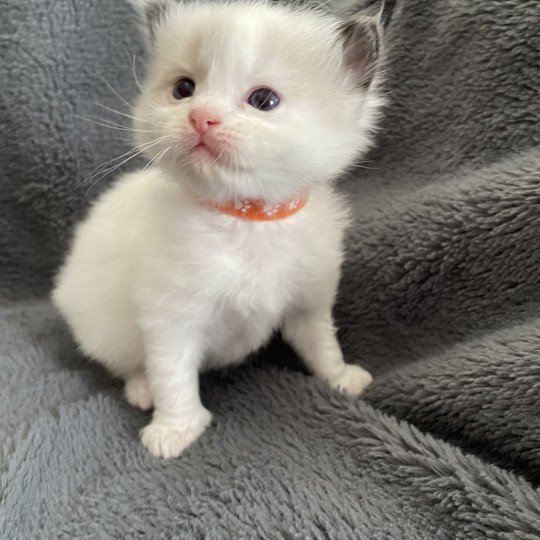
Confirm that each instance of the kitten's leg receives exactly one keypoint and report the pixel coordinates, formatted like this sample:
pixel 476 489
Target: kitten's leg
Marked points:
pixel 137 391
pixel 179 417
pixel 312 334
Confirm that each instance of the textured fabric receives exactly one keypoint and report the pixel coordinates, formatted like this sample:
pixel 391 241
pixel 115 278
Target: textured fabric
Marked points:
pixel 440 299
pixel 285 457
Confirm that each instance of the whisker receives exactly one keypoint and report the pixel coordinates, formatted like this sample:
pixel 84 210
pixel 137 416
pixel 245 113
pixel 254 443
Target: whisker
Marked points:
pixel 220 154
pixel 142 146
pixel 104 122
pixel 236 180
pixel 114 91
pixel 107 171
pixel 230 191
pixel 101 173
pixel 121 113
pixel 157 157
pixel 134 70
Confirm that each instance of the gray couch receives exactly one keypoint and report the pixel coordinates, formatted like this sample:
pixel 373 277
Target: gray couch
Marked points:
pixel 440 299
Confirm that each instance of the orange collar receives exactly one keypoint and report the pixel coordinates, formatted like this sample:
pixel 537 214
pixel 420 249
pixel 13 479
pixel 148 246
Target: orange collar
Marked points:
pixel 257 210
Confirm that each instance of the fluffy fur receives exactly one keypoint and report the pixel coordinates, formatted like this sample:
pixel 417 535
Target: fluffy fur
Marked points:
pixel 159 285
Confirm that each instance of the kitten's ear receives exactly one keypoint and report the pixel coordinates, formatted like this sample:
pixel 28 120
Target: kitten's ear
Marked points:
pixel 362 35
pixel 151 13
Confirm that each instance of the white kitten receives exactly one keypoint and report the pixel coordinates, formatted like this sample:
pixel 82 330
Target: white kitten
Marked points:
pixel 246 107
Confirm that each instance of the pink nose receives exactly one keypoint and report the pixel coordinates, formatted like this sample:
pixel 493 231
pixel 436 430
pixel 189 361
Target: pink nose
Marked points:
pixel 201 119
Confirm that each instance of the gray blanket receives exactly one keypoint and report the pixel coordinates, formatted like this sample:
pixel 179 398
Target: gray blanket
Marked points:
pixel 440 299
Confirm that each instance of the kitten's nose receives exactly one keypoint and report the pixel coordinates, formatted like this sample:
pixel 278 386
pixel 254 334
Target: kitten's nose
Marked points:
pixel 202 118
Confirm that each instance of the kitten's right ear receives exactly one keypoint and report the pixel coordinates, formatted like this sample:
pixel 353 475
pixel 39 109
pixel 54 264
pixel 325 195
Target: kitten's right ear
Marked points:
pixel 151 13
pixel 362 35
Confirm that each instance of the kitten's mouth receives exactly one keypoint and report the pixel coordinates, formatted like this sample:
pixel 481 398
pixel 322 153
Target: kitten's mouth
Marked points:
pixel 206 152
pixel 203 150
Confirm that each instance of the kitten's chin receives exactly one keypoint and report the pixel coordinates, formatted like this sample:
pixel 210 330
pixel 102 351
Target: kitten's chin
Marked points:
pixel 201 174
pixel 222 184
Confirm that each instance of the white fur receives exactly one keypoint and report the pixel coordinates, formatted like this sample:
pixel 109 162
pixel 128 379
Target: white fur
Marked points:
pixel 159 285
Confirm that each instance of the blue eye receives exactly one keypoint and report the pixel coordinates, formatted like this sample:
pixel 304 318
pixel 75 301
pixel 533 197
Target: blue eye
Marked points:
pixel 264 99
pixel 184 88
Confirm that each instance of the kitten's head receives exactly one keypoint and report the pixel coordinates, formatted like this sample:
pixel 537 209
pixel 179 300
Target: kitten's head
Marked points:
pixel 254 100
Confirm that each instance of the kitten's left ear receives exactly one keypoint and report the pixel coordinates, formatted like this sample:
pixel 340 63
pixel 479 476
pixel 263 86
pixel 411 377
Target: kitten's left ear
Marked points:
pixel 362 35
pixel 152 13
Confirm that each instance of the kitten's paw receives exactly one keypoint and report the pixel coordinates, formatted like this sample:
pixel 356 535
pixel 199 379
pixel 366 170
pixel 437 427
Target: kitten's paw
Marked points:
pixel 137 392
pixel 164 440
pixel 352 380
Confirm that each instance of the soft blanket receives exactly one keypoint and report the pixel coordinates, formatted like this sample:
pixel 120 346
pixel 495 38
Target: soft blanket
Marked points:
pixel 440 299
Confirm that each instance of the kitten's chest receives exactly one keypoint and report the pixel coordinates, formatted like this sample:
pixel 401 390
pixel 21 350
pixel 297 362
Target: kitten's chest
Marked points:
pixel 256 267
pixel 249 282
pixel 235 280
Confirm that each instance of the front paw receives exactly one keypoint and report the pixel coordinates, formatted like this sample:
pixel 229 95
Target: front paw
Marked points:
pixel 352 380
pixel 168 440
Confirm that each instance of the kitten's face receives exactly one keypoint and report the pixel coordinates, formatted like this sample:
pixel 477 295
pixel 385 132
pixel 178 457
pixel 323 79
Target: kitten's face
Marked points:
pixel 251 101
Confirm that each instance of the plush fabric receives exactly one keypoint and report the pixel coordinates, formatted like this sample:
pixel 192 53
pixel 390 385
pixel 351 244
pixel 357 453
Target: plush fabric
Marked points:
pixel 440 299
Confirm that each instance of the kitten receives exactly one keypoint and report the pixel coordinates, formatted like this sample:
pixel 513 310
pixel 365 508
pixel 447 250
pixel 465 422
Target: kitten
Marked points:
pixel 249 112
